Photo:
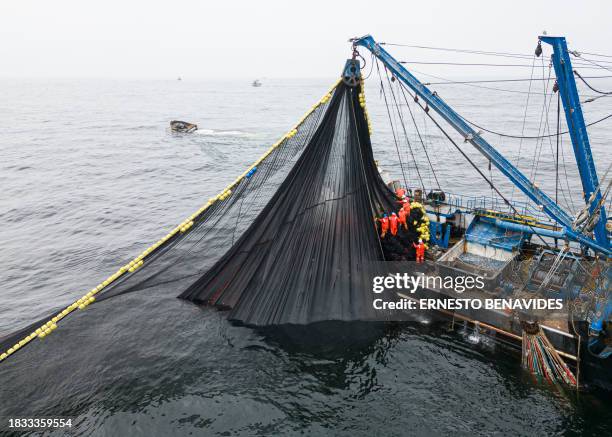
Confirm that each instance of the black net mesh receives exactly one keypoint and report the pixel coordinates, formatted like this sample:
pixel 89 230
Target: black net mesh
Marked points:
pixel 307 255
pixel 187 255
pixel 291 241
pixel 178 259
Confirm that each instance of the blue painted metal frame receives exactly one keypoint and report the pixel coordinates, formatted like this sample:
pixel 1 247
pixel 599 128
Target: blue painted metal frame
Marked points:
pixel 485 231
pixel 439 234
pixel 447 113
pixel 577 128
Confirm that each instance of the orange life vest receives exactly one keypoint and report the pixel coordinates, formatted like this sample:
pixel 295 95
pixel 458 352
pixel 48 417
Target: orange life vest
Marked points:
pixel 401 215
pixel 393 223
pixel 384 224
pixel 406 207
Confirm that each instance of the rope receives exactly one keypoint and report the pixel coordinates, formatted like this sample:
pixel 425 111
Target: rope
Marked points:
pixel 590 87
pixel 541 359
pixel 543 117
pixel 538 147
pixel 363 106
pixel 501 134
pixel 577 55
pixel 569 191
pixel 594 54
pixel 420 138
pixel 465 82
pixel 399 112
pixel 454 143
pixel 469 83
pixel 466 64
pixel 470 51
pixel 518 156
pixel 382 88
pixel 557 154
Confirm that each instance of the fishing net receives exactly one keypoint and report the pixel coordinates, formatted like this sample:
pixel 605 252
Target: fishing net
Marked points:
pixel 291 241
pixel 541 359
pixel 307 255
pixel 176 260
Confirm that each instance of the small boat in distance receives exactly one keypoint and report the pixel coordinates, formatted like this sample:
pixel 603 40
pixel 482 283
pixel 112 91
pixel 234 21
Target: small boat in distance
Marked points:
pixel 256 83
pixel 183 126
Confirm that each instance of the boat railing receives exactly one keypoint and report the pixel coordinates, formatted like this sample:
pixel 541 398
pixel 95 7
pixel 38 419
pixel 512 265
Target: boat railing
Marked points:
pixel 469 203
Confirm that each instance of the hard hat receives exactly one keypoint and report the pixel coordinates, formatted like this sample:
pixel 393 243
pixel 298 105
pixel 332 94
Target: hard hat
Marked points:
pixel 420 240
pixel 384 215
pixel 393 214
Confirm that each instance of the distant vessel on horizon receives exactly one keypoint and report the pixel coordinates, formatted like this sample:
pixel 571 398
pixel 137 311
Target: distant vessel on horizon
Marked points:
pixel 256 83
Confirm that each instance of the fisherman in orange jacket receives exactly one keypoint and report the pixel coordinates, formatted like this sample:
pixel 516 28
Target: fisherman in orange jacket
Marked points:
pixel 402 216
pixel 406 206
pixel 400 192
pixel 384 225
pixel 393 221
pixel 420 251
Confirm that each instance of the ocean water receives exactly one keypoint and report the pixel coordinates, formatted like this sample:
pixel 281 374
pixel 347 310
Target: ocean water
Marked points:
pixel 90 176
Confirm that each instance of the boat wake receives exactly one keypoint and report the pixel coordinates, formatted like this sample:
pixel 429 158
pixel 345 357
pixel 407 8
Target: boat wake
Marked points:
pixel 224 133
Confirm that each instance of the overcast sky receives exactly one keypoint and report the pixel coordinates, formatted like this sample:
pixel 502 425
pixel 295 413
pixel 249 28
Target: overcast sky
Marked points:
pixel 230 38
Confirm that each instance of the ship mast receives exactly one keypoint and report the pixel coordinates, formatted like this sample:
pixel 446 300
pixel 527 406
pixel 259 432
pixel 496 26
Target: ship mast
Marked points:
pixel 578 133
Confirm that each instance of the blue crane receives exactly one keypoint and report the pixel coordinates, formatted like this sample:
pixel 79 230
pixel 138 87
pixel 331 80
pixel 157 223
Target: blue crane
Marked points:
pixel 567 86
pixel 578 131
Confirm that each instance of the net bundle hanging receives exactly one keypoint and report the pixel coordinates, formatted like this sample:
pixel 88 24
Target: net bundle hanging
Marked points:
pixel 307 255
